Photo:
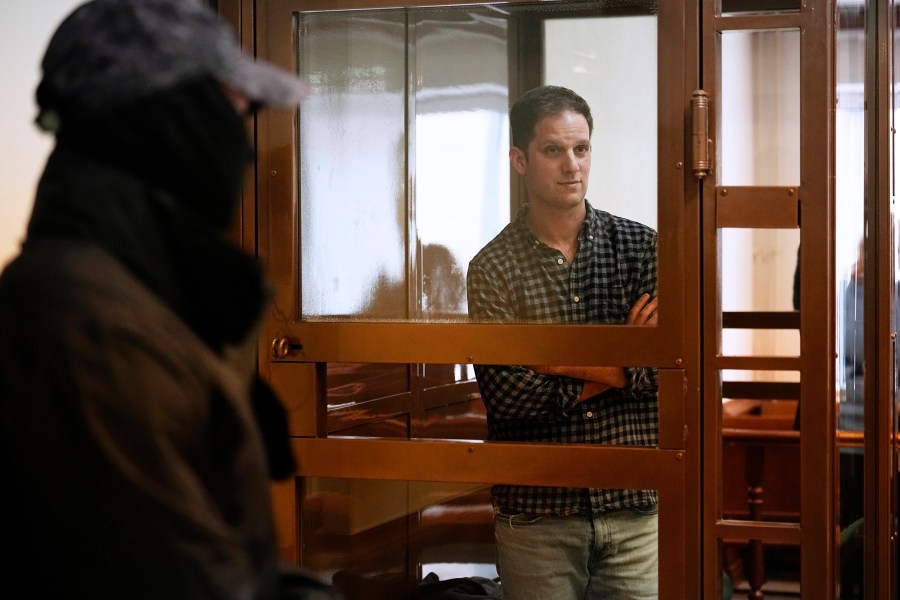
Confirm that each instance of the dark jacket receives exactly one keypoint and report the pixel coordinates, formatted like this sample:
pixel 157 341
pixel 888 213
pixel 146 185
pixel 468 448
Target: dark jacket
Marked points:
pixel 132 463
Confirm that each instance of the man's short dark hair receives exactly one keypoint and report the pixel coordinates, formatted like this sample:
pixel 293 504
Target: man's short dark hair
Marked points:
pixel 540 102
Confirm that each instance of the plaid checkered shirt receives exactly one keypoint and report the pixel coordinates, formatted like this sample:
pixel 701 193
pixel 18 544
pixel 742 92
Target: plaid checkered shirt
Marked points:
pixel 518 278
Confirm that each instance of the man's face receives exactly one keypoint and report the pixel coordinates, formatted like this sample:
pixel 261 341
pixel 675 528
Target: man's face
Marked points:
pixel 556 165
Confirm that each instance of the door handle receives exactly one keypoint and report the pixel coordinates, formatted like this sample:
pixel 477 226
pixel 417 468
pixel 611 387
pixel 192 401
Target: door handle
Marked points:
pixel 282 347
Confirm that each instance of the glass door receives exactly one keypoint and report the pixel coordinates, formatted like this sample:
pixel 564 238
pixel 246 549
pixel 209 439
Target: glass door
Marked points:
pixel 374 197
pixel 769 409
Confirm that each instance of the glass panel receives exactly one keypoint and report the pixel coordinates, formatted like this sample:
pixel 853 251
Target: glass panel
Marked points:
pixel 352 383
pixel 353 204
pixel 759 141
pixel 368 399
pixel 759 274
pixel 438 374
pixel 761 342
pixel 578 55
pixel 419 401
pixel 389 81
pixel 354 256
pixel 444 402
pixel 753 6
pixel 760 468
pixel 399 539
pixel 451 406
pixel 461 142
pixel 760 479
pixel 850 50
pixel 391 539
pixel 612 63
pixel 452 412
pixel 753 569
pixel 758 271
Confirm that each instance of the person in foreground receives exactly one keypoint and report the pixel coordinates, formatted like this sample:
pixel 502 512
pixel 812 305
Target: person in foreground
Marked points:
pixel 133 457
pixel 562 260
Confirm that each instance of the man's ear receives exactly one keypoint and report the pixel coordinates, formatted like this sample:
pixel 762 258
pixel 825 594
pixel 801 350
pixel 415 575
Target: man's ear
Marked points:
pixel 518 160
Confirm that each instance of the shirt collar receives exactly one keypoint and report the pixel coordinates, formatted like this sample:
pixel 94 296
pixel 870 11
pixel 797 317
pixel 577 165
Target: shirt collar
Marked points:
pixel 592 226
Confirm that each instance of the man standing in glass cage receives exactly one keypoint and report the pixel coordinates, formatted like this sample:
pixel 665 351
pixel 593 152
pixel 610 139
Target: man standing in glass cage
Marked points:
pixel 563 261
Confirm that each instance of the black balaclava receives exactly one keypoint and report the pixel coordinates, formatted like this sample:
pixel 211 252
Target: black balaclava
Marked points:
pixel 157 183
pixel 188 140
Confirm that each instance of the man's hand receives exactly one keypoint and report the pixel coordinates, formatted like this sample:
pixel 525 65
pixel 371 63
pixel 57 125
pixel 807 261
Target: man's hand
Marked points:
pixel 643 312
pixel 600 379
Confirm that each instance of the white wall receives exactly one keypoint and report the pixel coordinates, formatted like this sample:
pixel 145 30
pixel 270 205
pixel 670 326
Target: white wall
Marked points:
pixel 25 29
pixel 611 62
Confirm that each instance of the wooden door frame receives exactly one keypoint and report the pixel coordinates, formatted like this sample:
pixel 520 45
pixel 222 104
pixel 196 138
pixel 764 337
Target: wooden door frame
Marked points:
pixel 270 218
pixel 881 442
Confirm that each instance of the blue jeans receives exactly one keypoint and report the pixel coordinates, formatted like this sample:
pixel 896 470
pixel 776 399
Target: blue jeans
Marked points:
pixel 612 555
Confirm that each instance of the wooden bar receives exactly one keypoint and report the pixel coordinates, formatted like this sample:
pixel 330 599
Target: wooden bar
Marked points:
pixel 784 533
pixel 757 207
pixel 788 319
pixel 490 462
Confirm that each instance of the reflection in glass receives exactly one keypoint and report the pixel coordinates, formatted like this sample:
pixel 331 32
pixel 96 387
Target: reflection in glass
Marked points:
pixel 443 282
pixel 396 539
pixel 361 400
pixel 461 139
pixel 400 539
pixel 352 383
pixel 452 412
pixel 353 204
pixel 751 569
pixel 404 401
pixel 370 246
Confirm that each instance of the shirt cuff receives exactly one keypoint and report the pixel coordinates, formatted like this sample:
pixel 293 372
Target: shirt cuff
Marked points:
pixel 639 380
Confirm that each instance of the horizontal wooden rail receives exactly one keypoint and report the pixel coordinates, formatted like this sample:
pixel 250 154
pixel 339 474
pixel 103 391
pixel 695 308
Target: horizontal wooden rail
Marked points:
pixel 770 319
pixel 765 531
pixel 566 465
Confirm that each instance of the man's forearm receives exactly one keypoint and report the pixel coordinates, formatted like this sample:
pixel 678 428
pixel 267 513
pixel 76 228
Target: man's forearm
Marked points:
pixel 611 376
pixel 596 379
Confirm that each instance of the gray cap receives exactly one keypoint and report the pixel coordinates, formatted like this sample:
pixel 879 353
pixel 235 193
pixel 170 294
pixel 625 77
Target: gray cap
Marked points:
pixel 108 53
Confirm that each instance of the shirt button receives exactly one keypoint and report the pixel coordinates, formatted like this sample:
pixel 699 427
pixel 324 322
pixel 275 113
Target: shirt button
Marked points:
pixel 590 237
pixel 576 298
pixel 589 414
pixel 559 261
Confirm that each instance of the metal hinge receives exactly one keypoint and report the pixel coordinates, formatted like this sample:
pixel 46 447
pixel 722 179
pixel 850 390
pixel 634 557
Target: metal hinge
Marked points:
pixel 700 161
